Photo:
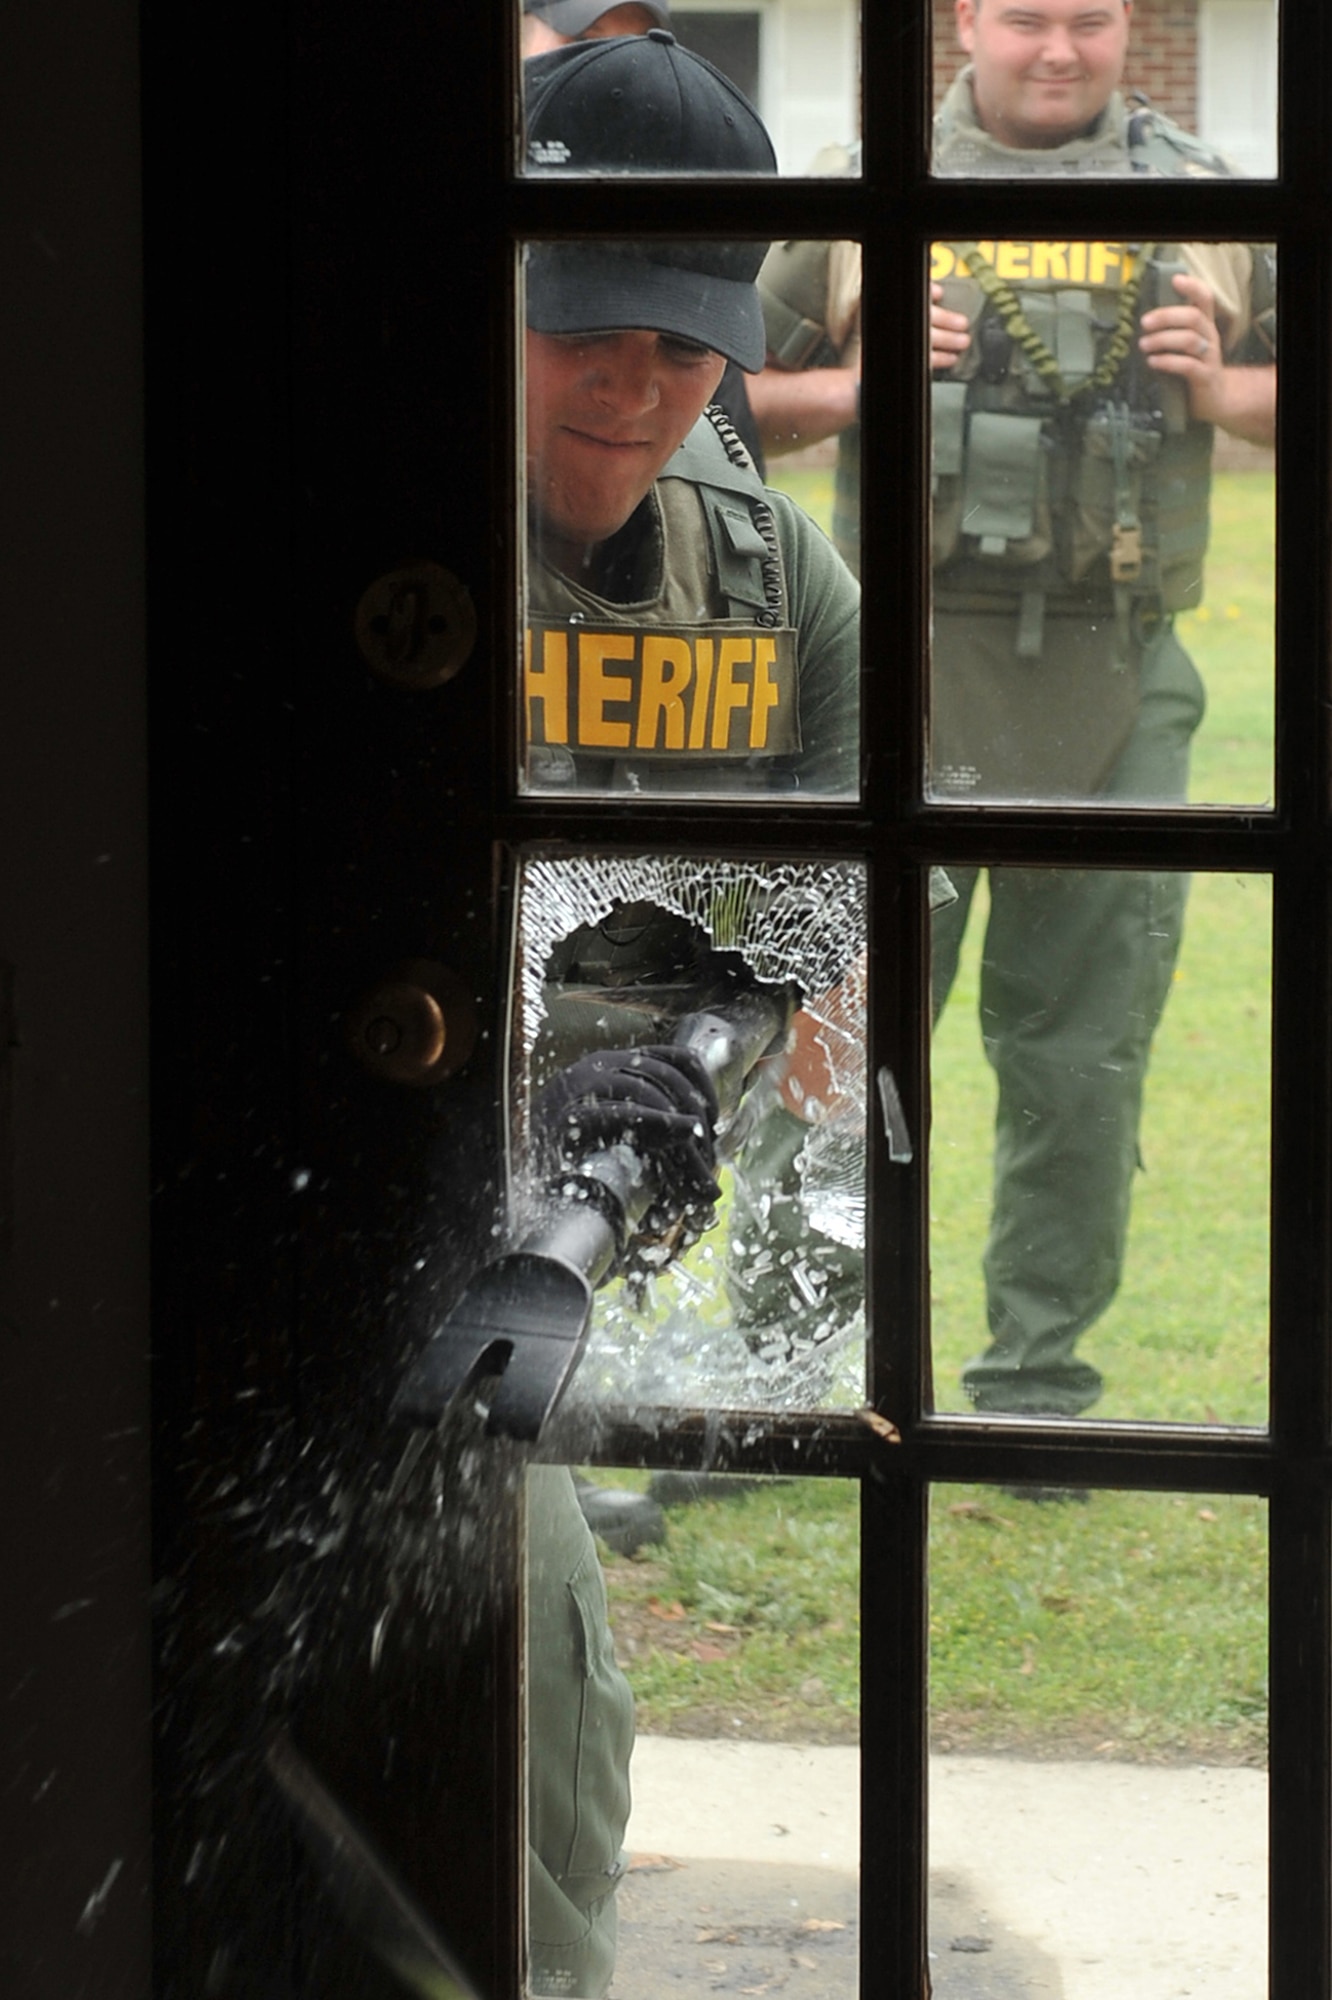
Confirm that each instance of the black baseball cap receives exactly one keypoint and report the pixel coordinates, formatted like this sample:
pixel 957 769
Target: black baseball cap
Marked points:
pixel 575 17
pixel 642 104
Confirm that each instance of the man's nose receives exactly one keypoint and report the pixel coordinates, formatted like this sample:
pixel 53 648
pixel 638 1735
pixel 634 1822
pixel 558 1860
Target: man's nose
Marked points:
pixel 626 375
pixel 1059 50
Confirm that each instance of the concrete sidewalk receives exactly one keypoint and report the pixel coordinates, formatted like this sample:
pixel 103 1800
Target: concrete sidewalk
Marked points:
pixel 1071 1881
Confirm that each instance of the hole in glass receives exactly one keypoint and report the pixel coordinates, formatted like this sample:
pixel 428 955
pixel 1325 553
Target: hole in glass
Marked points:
pixel 764 1309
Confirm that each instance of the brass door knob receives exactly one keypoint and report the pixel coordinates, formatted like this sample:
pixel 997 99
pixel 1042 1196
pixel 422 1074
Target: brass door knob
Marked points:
pixel 416 1025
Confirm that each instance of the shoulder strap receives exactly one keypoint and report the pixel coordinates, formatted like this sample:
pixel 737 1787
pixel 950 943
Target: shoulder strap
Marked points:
pixel 793 283
pixel 1158 142
pixel 746 553
pixel 793 291
pixel 705 460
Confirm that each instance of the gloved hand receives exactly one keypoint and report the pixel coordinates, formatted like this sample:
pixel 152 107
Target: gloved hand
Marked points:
pixel 660 1099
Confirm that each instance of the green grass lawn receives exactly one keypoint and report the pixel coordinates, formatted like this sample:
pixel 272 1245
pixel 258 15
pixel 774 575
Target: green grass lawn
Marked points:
pixel 1134 1625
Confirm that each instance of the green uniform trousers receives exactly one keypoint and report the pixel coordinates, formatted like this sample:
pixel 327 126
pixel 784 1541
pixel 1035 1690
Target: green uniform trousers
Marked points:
pixel 1075 972
pixel 580 1728
pixel 1076 969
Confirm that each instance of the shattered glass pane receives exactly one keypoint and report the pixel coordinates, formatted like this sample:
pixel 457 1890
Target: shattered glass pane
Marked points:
pixel 766 1309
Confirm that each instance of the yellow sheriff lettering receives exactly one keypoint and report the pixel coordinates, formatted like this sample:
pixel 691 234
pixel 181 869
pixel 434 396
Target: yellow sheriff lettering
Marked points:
pixel 731 693
pixel 698 721
pixel 1107 264
pixel 728 691
pixel 549 685
pixel 1049 260
pixel 767 695
pixel 1013 260
pixel 597 689
pixel 668 668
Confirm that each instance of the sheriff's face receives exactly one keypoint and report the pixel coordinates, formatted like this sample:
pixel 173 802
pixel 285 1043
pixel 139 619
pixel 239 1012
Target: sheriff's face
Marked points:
pixel 1044 69
pixel 605 411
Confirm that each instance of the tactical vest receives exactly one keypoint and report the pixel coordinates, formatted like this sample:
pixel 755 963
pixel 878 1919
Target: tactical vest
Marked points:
pixel 1065 467
pixel 693 688
pixel 1062 463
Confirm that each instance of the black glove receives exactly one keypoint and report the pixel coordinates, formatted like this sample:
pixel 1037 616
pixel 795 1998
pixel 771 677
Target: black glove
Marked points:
pixel 660 1099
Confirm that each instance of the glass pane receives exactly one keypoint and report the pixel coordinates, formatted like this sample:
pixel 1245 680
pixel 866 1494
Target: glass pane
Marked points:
pixel 735 1622
pixel 798 68
pixel 1099 1244
pixel 1098 1783
pixel 756 1301
pixel 1103 526
pixel 1061 86
pixel 687 631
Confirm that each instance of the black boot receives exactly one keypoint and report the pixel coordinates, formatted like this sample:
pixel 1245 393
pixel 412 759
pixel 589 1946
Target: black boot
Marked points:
pixel 677 1489
pixel 624 1521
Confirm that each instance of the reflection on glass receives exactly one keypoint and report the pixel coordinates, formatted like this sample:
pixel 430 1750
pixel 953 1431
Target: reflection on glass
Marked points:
pixel 733 1615
pixel 1098 1790
pixel 1100 414
pixel 799 67
pixel 757 1302
pixel 1045 1300
pixel 1061 87
pixel 686 631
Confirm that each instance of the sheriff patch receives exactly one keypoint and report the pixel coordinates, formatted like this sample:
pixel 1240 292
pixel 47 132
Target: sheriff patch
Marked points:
pixel 663 693
pixel 1107 266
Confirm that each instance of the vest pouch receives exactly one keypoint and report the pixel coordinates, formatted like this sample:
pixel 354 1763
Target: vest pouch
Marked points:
pixel 948 416
pixel 793 291
pixel 1108 482
pixel 1005 491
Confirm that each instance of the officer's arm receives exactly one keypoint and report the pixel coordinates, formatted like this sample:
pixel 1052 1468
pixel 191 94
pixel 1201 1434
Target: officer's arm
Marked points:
pixel 796 407
pixel 1246 404
pixel 1186 341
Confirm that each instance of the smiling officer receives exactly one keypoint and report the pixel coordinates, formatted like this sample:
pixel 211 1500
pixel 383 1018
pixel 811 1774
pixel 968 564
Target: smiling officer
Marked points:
pixel 688 630
pixel 687 633
pixel 1077 387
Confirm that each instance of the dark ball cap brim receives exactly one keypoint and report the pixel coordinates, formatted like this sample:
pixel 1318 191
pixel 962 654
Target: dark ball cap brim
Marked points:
pixel 640 104
pixel 601 288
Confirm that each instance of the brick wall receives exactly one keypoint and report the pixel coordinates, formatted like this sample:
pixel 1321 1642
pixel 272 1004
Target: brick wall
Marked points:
pixel 1162 54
